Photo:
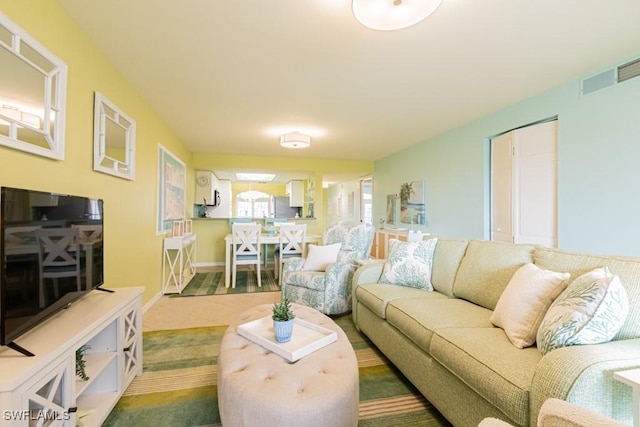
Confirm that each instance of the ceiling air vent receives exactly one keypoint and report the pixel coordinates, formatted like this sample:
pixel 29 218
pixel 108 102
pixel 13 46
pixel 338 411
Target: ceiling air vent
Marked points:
pixel 599 81
pixel 610 77
pixel 629 70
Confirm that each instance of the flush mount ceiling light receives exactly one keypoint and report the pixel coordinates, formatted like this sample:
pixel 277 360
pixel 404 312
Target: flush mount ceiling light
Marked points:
pixel 387 15
pixel 295 140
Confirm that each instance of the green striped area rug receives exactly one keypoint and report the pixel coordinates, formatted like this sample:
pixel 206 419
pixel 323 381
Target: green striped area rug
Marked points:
pixel 178 384
pixel 213 284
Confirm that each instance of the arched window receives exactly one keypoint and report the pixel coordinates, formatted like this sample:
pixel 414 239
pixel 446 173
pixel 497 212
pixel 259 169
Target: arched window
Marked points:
pixel 253 204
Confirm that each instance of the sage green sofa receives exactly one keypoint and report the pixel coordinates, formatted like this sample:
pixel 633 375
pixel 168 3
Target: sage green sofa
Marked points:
pixel 444 342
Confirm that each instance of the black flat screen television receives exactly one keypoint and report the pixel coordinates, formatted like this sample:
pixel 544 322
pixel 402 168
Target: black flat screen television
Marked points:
pixel 52 252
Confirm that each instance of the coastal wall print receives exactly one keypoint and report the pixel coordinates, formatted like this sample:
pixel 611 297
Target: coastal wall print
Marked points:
pixel 171 190
pixel 412 203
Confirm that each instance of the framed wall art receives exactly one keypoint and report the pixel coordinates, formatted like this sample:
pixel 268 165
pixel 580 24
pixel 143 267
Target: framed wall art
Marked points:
pixel 171 190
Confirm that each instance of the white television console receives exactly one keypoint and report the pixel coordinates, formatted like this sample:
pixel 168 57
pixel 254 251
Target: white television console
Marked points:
pixel 44 389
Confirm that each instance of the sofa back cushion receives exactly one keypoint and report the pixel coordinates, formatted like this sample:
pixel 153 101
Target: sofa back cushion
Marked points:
pixel 446 260
pixel 627 268
pixel 486 269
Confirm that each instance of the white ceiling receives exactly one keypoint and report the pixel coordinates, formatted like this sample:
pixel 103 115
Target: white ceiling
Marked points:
pixel 229 75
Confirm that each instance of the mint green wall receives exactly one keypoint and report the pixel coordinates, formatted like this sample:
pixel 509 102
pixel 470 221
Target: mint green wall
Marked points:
pixel 598 168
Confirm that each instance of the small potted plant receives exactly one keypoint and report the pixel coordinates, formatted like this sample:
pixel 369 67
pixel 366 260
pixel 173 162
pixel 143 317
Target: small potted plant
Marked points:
pixel 81 364
pixel 283 320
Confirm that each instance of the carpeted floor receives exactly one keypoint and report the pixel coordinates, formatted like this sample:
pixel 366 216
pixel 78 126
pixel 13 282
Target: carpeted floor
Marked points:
pixel 212 283
pixel 178 385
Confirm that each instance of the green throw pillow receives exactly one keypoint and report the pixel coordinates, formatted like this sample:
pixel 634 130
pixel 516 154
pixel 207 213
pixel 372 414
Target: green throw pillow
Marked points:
pixel 591 310
pixel 409 263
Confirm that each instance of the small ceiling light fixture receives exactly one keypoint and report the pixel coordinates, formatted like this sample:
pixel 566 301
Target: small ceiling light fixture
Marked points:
pixel 295 140
pixel 388 15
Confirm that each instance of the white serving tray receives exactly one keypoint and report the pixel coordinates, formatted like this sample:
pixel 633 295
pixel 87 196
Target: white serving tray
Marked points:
pixel 307 337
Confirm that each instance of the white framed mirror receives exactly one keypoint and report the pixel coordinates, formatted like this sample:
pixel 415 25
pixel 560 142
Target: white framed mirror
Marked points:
pixel 33 85
pixel 114 139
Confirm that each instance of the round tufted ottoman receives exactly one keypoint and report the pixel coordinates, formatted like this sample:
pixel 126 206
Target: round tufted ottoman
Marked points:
pixel 259 388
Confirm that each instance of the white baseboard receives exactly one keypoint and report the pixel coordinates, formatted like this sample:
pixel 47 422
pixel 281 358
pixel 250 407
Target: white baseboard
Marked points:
pixel 152 301
pixel 208 264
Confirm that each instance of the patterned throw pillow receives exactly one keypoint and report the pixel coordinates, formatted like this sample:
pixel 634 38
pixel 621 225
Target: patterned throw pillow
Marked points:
pixel 409 263
pixel 591 310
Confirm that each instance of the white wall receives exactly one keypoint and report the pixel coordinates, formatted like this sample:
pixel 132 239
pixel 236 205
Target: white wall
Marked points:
pixel 338 196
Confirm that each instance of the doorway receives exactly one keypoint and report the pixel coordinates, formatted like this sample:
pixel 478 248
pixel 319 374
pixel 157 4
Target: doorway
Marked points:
pixel 366 200
pixel 524 185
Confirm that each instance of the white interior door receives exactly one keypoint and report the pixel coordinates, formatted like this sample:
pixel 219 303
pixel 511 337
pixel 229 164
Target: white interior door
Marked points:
pixel 501 179
pixel 524 185
pixel 535 195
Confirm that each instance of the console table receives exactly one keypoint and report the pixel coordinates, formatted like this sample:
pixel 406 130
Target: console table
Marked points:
pixel 178 258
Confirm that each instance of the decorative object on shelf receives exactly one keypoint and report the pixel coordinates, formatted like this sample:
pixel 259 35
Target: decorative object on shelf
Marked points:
pixel 81 364
pixel 171 190
pixel 295 140
pixel 202 211
pixel 412 203
pixel 178 229
pixel 388 15
pixel 283 320
pixel 393 210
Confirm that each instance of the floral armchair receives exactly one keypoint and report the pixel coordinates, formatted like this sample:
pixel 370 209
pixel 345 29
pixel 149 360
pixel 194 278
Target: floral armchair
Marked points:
pixel 329 291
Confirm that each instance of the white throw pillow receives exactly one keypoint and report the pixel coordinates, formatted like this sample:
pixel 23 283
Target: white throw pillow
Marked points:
pixel 409 263
pixel 319 257
pixel 591 310
pixel 525 301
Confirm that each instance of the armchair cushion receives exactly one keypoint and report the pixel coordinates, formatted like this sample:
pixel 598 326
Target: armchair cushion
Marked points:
pixel 409 264
pixel 319 257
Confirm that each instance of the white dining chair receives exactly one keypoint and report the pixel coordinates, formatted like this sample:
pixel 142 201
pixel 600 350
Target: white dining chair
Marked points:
pixel 290 244
pixel 246 248
pixel 88 233
pixel 58 257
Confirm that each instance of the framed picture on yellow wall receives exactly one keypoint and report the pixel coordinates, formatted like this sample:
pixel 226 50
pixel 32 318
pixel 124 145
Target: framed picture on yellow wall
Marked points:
pixel 171 190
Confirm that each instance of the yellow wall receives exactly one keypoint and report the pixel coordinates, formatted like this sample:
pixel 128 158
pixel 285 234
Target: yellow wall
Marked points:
pixel 132 249
pixel 316 169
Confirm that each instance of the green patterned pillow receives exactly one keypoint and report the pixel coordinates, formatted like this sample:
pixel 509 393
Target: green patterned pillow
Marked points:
pixel 591 310
pixel 409 263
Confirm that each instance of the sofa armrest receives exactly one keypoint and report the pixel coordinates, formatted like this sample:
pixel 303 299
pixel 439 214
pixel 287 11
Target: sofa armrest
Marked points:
pixel 369 272
pixel 555 412
pixel 583 374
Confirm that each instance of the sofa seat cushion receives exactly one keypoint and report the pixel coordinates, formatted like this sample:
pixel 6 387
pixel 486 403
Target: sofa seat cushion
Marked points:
pixel 376 296
pixel 485 360
pixel 417 319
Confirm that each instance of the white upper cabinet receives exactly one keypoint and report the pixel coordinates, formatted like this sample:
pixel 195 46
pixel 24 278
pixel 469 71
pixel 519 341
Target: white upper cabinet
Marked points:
pixel 295 191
